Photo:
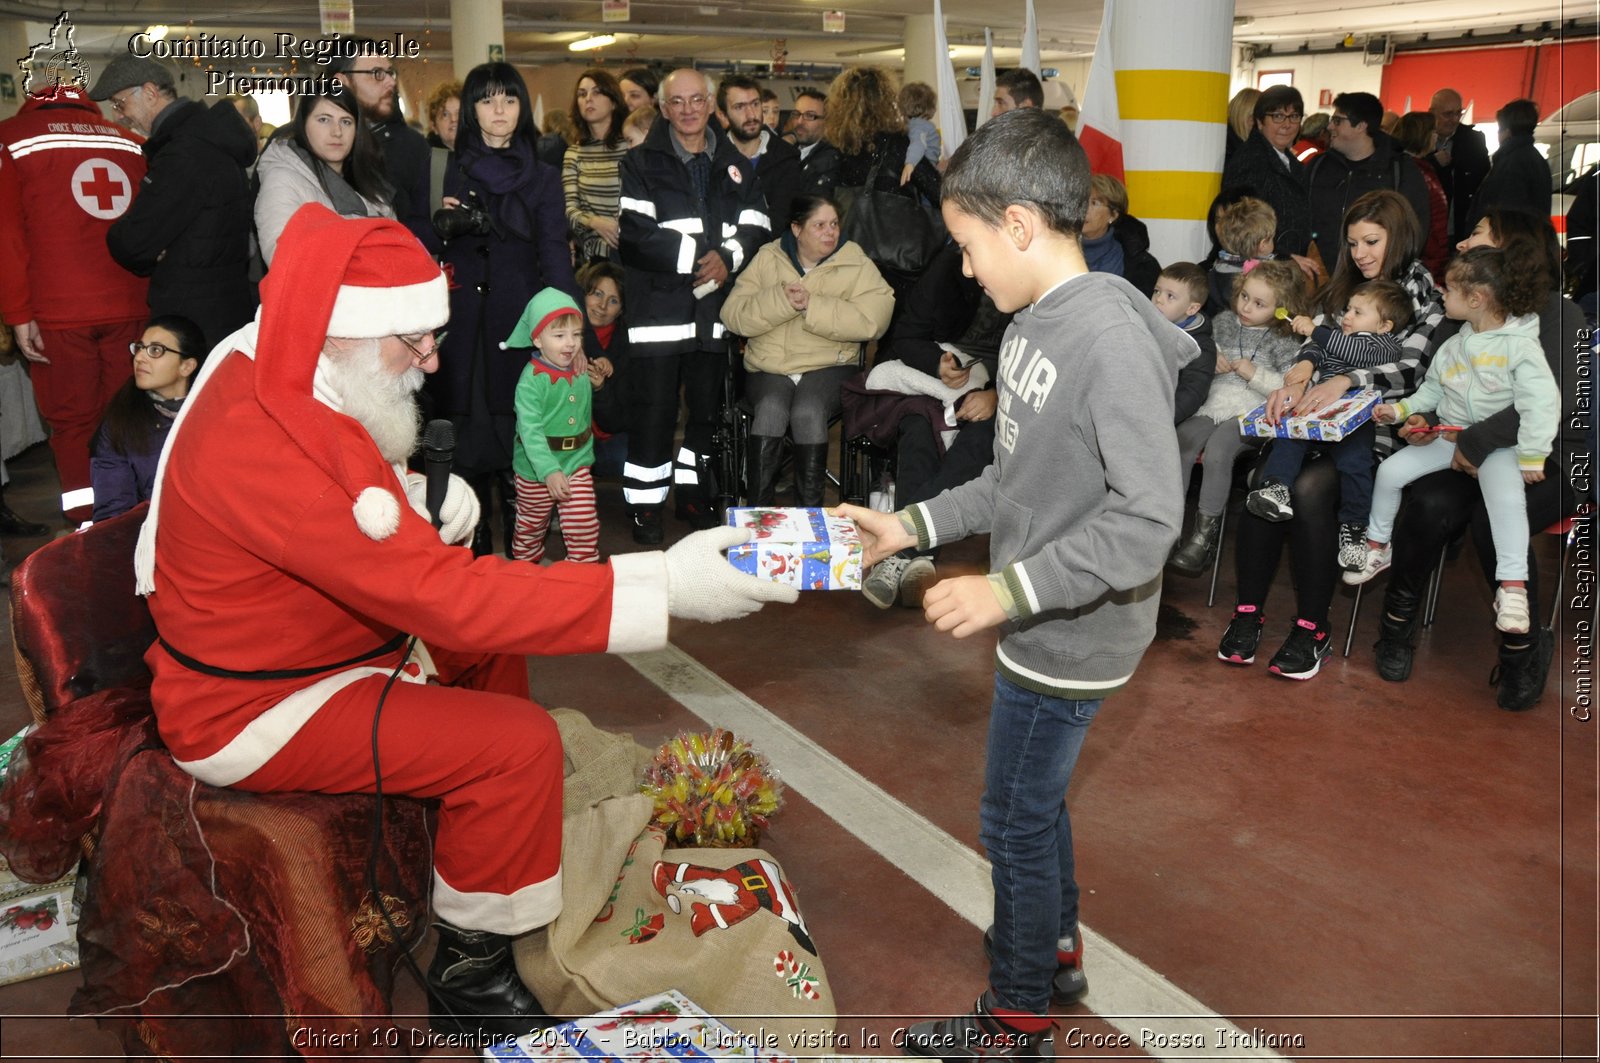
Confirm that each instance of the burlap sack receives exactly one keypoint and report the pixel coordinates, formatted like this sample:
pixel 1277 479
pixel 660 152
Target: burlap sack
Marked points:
pixel 599 764
pixel 720 925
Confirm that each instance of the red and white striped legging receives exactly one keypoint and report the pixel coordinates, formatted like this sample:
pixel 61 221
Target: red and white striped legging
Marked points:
pixel 580 523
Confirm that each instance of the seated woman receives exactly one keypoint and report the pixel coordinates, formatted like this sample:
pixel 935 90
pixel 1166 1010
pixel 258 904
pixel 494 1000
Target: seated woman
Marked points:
pixel 1114 241
pixel 329 157
pixel 806 304
pixel 1383 240
pixel 127 448
pixel 1443 505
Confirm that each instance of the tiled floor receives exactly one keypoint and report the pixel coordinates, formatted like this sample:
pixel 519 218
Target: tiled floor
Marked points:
pixel 1383 871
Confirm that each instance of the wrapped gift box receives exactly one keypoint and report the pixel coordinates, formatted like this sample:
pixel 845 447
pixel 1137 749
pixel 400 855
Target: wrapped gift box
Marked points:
pixel 38 923
pixel 667 1026
pixel 803 548
pixel 1328 426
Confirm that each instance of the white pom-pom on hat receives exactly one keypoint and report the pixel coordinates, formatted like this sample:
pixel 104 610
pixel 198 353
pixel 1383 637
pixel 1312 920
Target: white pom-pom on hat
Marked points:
pixel 377 513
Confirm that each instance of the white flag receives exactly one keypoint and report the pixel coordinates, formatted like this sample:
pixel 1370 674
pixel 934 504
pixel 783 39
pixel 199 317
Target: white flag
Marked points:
pixel 1030 43
pixel 951 121
pixel 986 81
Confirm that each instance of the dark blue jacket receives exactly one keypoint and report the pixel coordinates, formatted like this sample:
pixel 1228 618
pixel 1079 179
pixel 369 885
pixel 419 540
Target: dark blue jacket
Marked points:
pixel 122 481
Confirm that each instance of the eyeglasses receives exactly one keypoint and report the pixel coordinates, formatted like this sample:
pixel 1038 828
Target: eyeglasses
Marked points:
pixel 1284 116
pixel 154 350
pixel 438 341
pixel 380 74
pixel 678 103
pixel 1339 119
pixel 810 116
pixel 118 105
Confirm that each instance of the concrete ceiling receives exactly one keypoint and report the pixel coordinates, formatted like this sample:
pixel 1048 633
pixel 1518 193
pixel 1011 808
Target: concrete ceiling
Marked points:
pixel 750 30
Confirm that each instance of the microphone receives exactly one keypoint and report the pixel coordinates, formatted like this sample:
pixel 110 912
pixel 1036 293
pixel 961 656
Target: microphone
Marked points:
pixel 438 454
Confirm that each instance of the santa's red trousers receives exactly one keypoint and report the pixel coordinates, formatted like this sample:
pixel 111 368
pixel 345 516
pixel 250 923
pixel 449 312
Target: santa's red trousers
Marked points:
pixel 87 366
pixel 489 754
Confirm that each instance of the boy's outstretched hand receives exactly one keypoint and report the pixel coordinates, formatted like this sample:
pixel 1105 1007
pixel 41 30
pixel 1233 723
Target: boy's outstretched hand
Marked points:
pixel 881 533
pixel 962 605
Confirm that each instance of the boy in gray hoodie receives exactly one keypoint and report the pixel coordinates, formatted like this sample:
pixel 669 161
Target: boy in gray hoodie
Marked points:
pixel 1081 503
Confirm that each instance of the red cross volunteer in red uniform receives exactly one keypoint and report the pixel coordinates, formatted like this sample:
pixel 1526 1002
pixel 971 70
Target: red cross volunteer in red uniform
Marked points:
pixel 65 175
pixel 288 550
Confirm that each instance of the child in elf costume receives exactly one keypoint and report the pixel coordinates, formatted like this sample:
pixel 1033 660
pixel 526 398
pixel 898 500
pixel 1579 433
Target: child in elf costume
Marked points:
pixel 555 444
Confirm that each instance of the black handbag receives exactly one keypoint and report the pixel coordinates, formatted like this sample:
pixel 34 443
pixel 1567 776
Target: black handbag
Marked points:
pixel 894 230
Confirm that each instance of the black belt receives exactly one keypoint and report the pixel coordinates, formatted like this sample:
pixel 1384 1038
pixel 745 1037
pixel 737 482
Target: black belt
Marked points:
pixel 283 673
pixel 564 443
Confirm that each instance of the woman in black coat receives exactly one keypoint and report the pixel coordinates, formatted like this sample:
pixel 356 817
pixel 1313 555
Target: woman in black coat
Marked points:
pixel 865 125
pixel 505 239
pixel 1265 167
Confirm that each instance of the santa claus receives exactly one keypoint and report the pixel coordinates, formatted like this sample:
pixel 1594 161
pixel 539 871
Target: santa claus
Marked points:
pixel 288 556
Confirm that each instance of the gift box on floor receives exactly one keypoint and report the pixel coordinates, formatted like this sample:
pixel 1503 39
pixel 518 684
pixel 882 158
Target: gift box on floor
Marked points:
pixel 1329 425
pixel 804 548
pixel 38 923
pixel 666 1026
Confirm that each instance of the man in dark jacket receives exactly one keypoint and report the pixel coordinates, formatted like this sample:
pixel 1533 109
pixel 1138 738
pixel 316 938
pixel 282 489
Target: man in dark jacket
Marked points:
pixel 819 160
pixel 1460 156
pixel 1361 158
pixel 692 215
pixel 776 162
pixel 406 155
pixel 189 227
pixel 1520 177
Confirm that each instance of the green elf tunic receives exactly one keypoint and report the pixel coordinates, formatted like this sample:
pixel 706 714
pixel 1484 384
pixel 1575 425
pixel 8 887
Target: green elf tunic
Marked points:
pixel 553 421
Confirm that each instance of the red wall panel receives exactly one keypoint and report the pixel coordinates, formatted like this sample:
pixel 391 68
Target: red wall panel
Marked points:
pixel 1487 78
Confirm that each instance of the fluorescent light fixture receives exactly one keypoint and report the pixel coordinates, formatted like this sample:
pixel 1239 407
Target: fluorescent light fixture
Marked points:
pixel 599 40
pixel 157 33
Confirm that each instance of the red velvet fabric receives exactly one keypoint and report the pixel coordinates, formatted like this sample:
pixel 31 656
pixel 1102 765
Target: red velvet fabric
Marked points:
pixel 216 923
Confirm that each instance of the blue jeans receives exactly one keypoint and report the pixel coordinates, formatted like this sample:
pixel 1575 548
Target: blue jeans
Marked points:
pixel 1034 741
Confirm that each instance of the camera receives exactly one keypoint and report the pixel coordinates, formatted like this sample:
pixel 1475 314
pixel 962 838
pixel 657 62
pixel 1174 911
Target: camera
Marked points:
pixel 468 218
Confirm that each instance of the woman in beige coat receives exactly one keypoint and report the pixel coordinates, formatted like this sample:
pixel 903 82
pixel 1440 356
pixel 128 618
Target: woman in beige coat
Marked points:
pixel 806 304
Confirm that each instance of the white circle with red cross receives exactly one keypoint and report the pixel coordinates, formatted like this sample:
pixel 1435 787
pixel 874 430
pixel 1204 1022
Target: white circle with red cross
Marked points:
pixel 102 188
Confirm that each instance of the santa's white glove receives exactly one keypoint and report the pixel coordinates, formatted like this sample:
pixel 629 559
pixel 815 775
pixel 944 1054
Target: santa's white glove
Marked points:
pixel 458 515
pixel 703 585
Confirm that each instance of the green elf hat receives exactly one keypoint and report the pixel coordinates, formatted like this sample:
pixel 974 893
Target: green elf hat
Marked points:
pixel 543 308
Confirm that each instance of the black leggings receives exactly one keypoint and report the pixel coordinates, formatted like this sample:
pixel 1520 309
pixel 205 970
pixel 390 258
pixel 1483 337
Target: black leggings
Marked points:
pixel 1439 507
pixel 1313 537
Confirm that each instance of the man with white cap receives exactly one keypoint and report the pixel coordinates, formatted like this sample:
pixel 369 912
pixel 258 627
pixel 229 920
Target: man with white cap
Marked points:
pixel 289 555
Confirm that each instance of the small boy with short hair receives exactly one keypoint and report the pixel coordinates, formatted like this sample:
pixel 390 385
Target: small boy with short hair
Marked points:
pixel 1367 336
pixel 917 104
pixel 555 443
pixel 1180 295
pixel 1246 233
pixel 1081 504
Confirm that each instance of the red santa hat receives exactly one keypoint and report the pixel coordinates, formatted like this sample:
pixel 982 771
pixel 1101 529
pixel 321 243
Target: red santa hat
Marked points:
pixel 354 278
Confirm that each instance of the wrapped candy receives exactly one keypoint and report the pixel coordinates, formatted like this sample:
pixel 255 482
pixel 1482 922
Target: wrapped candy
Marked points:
pixel 712 790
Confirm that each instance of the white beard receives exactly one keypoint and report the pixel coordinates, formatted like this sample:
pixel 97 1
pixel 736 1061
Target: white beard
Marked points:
pixel 382 402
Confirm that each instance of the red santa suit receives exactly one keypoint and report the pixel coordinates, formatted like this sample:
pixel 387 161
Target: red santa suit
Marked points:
pixel 65 175
pixel 288 560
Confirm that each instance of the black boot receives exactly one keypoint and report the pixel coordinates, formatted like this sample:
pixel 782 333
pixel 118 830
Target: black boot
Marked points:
pixel 1393 649
pixel 762 457
pixel 483 534
pixel 647 526
pixel 1522 672
pixel 473 985
pixel 810 472
pixel 1197 551
pixel 14 524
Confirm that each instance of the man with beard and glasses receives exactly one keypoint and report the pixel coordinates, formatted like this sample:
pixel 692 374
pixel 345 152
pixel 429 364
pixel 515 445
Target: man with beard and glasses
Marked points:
pixel 777 162
pixel 819 160
pixel 288 556
pixel 374 81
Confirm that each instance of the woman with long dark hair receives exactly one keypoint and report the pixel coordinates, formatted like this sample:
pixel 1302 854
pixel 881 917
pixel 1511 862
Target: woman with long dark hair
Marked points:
pixel 504 224
pixel 1440 507
pixel 1383 240
pixel 127 448
pixel 329 157
pixel 589 174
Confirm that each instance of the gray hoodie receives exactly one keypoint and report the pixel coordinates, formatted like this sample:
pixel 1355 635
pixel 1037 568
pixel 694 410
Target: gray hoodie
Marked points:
pixel 1082 501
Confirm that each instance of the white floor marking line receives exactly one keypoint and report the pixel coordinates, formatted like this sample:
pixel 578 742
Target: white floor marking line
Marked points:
pixel 1123 991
